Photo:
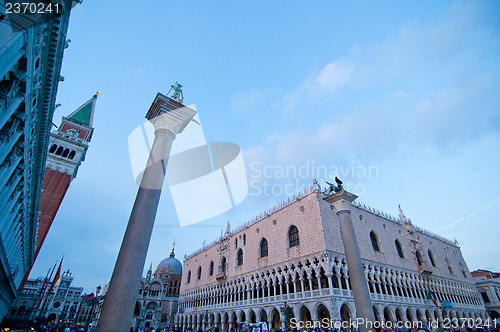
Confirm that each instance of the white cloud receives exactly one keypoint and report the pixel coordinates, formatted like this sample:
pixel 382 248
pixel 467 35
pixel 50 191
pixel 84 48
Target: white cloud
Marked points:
pixel 334 75
pixel 431 83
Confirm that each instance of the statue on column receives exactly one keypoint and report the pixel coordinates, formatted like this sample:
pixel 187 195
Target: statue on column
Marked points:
pixel 334 188
pixel 178 95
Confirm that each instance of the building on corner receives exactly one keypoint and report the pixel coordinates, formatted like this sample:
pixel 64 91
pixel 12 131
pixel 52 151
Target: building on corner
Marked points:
pixel 36 303
pixel 294 253
pixel 488 285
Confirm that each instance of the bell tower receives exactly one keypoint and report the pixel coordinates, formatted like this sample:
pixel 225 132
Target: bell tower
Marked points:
pixel 67 149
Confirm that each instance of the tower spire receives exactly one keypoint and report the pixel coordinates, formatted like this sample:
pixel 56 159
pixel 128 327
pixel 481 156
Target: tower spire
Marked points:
pixel 150 272
pixel 83 117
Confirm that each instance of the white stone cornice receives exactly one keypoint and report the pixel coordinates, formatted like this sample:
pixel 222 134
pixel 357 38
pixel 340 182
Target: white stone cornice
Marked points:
pixel 60 167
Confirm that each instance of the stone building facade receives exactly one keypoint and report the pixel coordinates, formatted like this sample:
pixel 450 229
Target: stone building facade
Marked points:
pixel 33 303
pixel 488 285
pixel 31 51
pixel 158 297
pixel 294 253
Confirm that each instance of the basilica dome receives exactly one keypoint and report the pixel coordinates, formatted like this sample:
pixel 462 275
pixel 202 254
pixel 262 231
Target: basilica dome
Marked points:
pixel 170 265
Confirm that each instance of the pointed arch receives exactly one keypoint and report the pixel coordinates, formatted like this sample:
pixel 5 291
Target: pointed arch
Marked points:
pixel 263 248
pixel 374 241
pixel 239 257
pixel 399 249
pixel 211 268
pixel 431 257
pixel 419 258
pixel 293 236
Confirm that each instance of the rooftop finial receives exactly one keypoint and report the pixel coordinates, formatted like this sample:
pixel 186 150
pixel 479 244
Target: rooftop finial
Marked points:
pixel 402 216
pixel 172 254
pixel 406 221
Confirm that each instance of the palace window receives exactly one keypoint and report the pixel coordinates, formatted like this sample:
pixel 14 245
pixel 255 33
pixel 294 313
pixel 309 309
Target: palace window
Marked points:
pixel 399 249
pixel 223 265
pixel 374 241
pixel 293 236
pixel 419 258
pixel 235 243
pixel 211 268
pixel 449 266
pixel 244 239
pixel 53 148
pixel 199 273
pixel 188 277
pixel 263 248
pixel 431 257
pixel 239 259
pixel 485 297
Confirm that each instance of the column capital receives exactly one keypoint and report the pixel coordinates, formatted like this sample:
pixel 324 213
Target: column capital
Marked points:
pixel 169 115
pixel 341 201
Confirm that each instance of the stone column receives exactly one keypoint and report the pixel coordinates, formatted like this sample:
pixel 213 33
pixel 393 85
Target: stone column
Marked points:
pixel 338 275
pixel 217 321
pixel 342 201
pixel 330 285
pixel 168 118
pixel 222 323
pixel 301 279
pixel 310 278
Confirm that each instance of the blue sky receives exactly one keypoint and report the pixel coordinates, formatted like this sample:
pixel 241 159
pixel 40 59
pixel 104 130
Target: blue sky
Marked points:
pixel 411 90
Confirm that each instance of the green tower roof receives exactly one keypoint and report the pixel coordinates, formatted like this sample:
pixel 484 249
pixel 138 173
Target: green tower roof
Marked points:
pixel 85 113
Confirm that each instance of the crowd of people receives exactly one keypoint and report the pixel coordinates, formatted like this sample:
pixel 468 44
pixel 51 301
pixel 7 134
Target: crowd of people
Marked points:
pixel 248 327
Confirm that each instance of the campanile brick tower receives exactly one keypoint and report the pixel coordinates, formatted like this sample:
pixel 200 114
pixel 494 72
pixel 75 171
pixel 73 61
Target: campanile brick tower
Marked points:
pixel 67 149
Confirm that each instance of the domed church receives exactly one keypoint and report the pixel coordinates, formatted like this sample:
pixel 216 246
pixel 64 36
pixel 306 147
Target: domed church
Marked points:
pixel 156 303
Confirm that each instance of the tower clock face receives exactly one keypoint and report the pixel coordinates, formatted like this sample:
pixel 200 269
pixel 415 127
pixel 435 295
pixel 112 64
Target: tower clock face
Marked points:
pixel 70 129
pixel 73 132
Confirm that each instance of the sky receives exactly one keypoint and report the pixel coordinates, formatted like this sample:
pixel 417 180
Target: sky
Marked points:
pixel 401 100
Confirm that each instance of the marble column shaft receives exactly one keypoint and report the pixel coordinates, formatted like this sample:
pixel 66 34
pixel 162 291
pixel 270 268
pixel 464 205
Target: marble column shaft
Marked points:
pixel 168 119
pixel 341 201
